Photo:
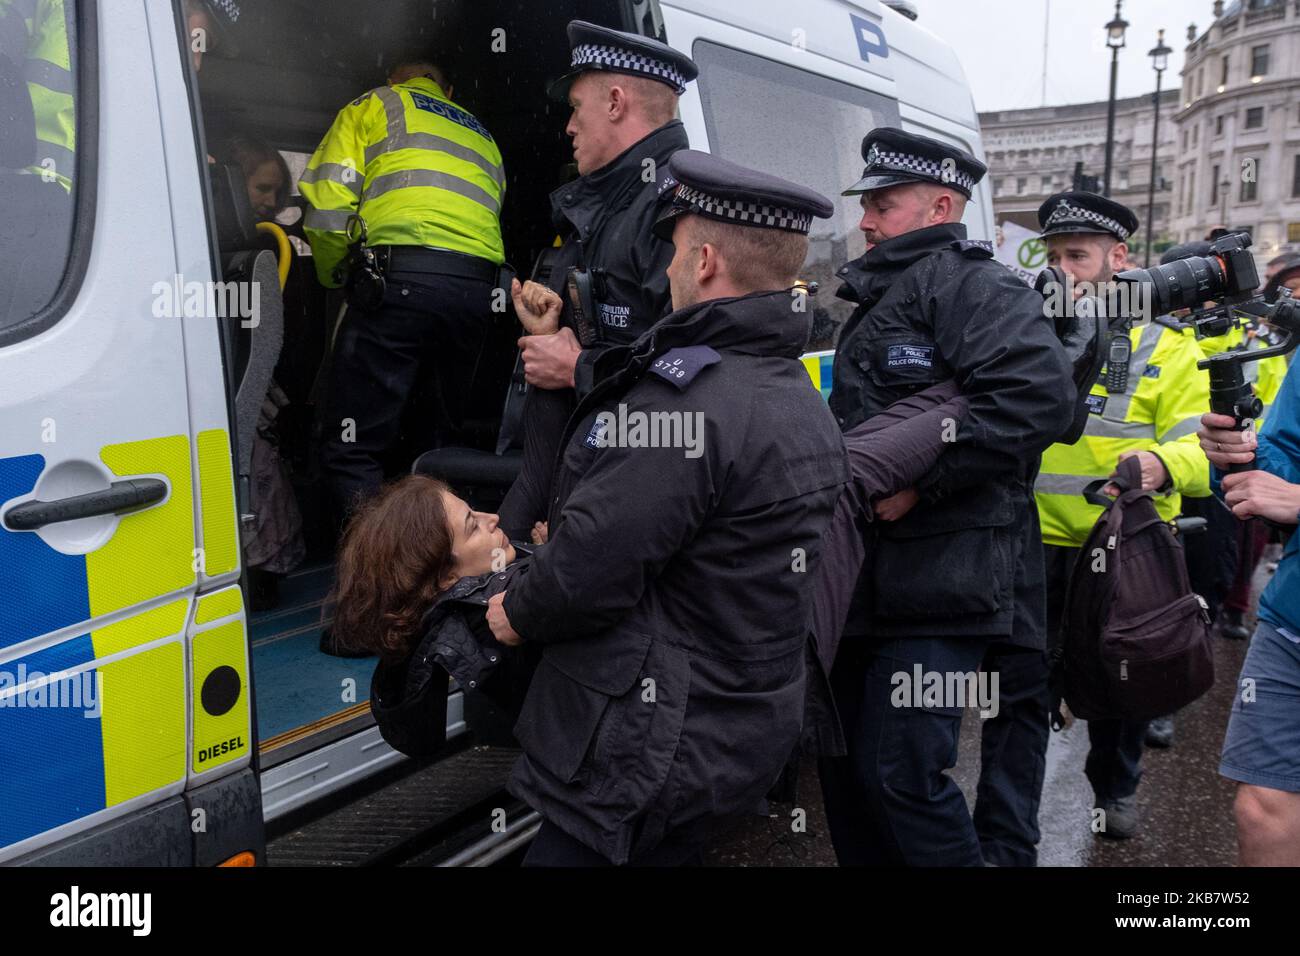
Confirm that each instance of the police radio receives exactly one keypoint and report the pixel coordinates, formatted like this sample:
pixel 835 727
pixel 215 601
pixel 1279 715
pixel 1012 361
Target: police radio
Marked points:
pixel 362 274
pixel 1118 353
pixel 1226 276
pixel 582 300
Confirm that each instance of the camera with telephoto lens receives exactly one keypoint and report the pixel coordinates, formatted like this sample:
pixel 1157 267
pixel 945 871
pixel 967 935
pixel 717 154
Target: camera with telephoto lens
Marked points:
pixel 1226 277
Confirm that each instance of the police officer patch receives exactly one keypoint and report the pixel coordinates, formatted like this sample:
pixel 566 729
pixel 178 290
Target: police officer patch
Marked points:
pixel 910 356
pixel 596 437
pixel 680 366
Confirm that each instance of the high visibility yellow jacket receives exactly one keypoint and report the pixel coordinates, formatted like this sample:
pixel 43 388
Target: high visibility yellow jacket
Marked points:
pixel 1265 375
pixel 419 170
pixel 1159 412
pixel 47 68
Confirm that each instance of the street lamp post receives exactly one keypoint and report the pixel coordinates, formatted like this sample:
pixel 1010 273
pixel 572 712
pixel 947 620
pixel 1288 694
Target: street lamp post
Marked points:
pixel 1159 62
pixel 1115 40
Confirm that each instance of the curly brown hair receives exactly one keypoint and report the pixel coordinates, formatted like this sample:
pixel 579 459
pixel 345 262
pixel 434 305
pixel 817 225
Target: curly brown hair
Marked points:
pixel 395 549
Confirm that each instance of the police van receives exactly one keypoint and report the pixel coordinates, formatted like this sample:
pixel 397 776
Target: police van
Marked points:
pixel 155 707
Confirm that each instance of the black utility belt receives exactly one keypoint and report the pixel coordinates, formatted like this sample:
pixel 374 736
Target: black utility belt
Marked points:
pixel 441 262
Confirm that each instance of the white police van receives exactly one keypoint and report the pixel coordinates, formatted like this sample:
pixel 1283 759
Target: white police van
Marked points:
pixel 147 713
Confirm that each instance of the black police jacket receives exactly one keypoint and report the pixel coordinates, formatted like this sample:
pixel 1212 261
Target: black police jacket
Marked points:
pixel 604 221
pixel 672 599
pixel 408 696
pixel 967 560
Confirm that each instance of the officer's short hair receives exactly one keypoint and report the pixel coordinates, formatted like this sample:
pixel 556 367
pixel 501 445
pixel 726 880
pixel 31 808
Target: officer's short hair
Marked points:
pixel 1105 240
pixel 757 259
pixel 656 101
pixel 420 66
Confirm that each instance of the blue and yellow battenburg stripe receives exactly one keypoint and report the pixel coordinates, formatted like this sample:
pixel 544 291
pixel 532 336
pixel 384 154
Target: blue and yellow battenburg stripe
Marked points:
pixel 150 554
pixel 220 690
pixel 819 365
pixel 116 730
pixel 113 725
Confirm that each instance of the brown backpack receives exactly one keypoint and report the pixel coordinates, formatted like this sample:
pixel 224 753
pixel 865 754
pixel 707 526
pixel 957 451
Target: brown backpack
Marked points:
pixel 1136 638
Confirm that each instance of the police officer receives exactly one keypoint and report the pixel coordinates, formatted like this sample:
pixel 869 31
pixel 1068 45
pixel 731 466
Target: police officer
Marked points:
pixel 39 36
pixel 1151 410
pixel 672 598
pixel 957 563
pixel 623 90
pixel 426 178
pixel 37 100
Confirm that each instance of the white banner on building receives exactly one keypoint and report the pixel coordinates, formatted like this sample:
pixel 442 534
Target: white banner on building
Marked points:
pixel 1021 251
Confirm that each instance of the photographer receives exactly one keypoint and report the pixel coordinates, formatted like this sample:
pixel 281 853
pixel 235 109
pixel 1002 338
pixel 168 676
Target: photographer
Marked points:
pixel 1261 750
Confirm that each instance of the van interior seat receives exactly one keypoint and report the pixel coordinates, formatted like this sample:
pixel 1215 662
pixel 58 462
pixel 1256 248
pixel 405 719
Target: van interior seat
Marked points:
pixel 482 477
pixel 264 341
pixel 256 344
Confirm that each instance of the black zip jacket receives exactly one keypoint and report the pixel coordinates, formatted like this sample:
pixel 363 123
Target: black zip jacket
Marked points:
pixel 672 600
pixel 967 560
pixel 604 219
pixel 408 697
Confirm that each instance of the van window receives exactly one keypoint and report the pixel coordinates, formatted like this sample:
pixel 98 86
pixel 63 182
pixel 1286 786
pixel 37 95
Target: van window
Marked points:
pixel 38 125
pixel 803 127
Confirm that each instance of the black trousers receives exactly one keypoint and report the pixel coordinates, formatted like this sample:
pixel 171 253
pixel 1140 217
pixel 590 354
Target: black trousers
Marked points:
pixel 1013 757
pixel 427 333
pixel 1211 555
pixel 553 847
pixel 889 802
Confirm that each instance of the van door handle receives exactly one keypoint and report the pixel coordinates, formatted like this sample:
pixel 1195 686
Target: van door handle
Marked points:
pixel 118 498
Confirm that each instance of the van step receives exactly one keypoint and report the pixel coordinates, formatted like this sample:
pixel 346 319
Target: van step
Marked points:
pixel 407 818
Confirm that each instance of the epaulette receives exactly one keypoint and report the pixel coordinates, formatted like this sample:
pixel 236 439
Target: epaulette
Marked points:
pixel 974 248
pixel 680 366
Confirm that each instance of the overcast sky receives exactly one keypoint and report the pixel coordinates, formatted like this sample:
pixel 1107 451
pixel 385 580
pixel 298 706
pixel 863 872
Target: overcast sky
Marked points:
pixel 1000 43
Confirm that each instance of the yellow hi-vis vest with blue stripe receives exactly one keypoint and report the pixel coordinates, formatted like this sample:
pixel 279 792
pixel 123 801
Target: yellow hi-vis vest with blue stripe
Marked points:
pixel 1159 412
pixel 416 167
pixel 47 68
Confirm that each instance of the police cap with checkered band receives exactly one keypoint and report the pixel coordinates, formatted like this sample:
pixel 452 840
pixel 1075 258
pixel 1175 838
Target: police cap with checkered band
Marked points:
pixel 704 185
pixel 600 48
pixel 894 157
pixel 1075 211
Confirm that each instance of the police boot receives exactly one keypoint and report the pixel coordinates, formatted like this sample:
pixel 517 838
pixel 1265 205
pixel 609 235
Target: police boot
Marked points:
pixel 1120 820
pixel 1232 624
pixel 1160 733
